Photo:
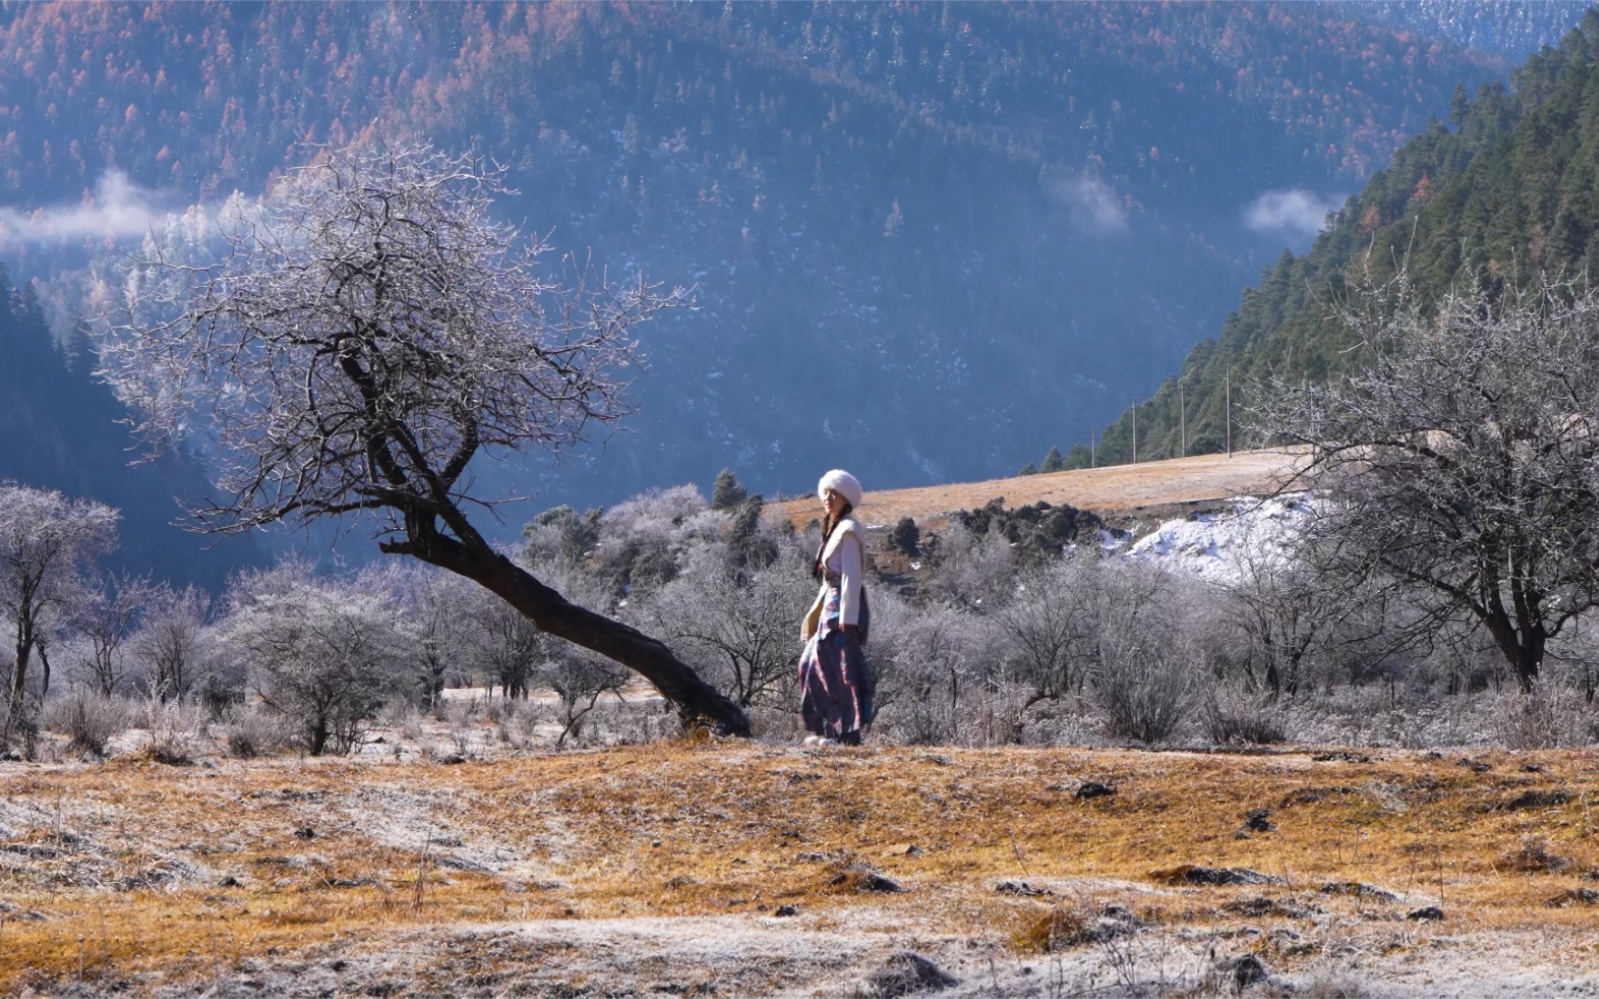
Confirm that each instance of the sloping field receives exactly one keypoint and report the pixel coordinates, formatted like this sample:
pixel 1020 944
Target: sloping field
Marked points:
pixel 747 869
pixel 1113 489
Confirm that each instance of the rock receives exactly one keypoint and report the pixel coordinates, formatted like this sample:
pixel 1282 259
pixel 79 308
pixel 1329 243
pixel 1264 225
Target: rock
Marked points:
pixel 1341 757
pixel 903 850
pixel 1311 795
pixel 452 759
pixel 1574 896
pixel 1093 789
pixel 784 911
pixel 230 882
pixel 1259 820
pixel 1475 766
pixel 1260 907
pixel 1359 889
pixel 305 832
pixel 907 973
pixel 1020 888
pixel 1430 913
pixel 1191 875
pixel 1537 798
pixel 1243 971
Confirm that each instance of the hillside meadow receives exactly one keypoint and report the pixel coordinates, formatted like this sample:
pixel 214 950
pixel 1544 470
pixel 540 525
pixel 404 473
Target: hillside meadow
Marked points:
pixel 708 867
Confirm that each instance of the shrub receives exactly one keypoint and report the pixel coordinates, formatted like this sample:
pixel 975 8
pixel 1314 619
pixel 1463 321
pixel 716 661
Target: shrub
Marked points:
pixel 89 719
pixel 905 537
pixel 1547 718
pixel 1233 718
pixel 1146 691
pixel 249 732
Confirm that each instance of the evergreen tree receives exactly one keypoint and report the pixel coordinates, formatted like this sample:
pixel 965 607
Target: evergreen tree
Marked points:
pixel 1053 462
pixel 727 493
pixel 905 537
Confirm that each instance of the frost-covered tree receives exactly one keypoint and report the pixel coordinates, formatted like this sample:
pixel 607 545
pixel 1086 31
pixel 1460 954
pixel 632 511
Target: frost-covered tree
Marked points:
pixel 1461 462
pixel 323 653
pixel 105 620
pixel 367 334
pixel 172 645
pixel 47 544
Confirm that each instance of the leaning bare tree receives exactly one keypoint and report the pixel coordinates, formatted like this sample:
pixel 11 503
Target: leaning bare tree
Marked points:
pixel 367 334
pixel 1462 462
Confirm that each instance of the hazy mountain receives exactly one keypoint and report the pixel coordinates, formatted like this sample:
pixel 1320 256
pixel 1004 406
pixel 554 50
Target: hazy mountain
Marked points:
pixel 928 240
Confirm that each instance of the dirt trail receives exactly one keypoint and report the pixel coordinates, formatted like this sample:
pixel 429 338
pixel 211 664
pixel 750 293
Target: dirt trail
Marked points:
pixel 1116 488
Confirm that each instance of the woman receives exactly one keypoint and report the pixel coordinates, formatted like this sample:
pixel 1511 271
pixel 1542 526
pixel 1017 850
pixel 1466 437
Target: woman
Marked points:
pixel 836 685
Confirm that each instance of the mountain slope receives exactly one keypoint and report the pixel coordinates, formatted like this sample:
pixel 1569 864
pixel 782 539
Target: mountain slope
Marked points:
pixel 1506 196
pixel 926 240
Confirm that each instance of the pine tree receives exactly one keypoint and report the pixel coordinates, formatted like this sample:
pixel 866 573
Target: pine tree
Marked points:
pixel 727 493
pixel 1053 462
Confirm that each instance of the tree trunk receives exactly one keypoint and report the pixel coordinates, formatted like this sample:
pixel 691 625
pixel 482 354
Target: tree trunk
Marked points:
pixel 695 699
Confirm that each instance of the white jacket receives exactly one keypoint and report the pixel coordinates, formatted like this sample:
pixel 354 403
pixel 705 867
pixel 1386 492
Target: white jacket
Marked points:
pixel 844 556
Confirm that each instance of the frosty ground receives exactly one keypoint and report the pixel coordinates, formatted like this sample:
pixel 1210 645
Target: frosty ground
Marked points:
pixel 748 869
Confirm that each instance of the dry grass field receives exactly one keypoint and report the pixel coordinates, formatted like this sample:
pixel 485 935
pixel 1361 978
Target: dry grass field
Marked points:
pixel 1115 489
pixel 732 869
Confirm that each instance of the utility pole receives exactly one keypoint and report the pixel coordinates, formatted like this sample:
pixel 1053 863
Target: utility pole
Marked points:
pixel 1135 433
pixel 1093 455
pixel 1229 410
pixel 1182 421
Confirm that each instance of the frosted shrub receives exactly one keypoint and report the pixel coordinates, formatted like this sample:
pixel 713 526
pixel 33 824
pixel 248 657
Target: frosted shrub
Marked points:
pixel 1145 685
pixel 248 732
pixel 1232 717
pixel 1549 717
pixel 89 719
pixel 173 729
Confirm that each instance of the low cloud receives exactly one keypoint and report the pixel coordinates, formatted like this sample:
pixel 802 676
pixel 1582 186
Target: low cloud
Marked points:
pixel 1293 212
pixel 119 209
pixel 1092 203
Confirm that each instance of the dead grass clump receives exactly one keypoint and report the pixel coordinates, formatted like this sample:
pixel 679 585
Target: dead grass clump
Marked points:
pixel 1061 929
pixel 1535 857
pixel 166 753
pixel 1057 929
pixel 1574 896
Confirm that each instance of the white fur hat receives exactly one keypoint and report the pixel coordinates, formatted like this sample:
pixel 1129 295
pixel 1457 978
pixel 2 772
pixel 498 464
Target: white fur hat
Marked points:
pixel 843 483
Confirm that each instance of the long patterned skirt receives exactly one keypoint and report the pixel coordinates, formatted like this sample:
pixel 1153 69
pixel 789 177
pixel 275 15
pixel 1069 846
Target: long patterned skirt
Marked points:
pixel 836 683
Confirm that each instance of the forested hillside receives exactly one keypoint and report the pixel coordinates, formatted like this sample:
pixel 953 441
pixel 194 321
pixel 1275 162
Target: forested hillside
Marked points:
pixel 1031 212
pixel 59 429
pixel 1504 193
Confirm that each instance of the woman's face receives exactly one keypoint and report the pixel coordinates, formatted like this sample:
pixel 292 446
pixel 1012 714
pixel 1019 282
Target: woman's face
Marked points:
pixel 833 502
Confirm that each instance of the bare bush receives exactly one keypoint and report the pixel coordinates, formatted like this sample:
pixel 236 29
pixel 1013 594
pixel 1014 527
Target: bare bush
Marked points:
pixel 248 732
pixel 173 730
pixel 1145 684
pixel 1232 717
pixel 973 572
pixel 1549 717
pixel 88 718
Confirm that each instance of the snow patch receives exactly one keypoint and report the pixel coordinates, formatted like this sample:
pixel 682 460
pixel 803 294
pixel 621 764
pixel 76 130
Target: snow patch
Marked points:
pixel 1219 546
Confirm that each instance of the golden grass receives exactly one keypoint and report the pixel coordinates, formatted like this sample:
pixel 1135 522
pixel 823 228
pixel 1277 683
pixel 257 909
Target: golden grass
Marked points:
pixel 188 873
pixel 1117 488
